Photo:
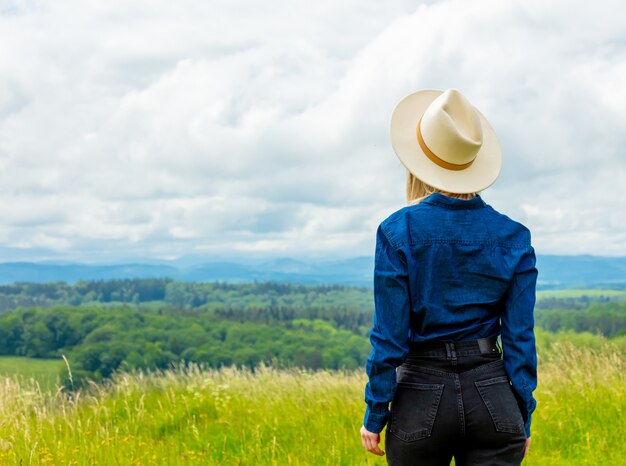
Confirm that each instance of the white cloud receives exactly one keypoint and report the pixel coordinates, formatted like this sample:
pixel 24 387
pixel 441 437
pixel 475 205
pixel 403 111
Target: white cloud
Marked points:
pixel 155 129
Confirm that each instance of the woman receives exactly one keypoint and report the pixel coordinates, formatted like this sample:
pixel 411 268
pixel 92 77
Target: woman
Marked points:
pixel 451 275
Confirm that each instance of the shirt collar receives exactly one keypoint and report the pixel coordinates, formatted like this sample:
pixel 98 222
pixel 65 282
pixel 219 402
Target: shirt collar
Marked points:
pixel 453 202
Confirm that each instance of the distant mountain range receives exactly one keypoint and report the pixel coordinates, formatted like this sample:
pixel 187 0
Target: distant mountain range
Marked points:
pixel 554 271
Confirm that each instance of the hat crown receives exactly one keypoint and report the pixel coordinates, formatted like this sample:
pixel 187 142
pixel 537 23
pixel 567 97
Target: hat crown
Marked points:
pixel 451 128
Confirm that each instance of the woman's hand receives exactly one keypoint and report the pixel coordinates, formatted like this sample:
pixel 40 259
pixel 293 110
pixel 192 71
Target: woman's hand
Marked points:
pixel 527 446
pixel 370 441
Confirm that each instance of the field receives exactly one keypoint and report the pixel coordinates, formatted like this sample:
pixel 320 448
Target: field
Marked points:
pixel 44 372
pixel 192 415
pixel 579 293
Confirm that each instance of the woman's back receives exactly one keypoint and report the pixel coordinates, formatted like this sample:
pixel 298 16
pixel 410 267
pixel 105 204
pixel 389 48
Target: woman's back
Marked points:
pixel 461 257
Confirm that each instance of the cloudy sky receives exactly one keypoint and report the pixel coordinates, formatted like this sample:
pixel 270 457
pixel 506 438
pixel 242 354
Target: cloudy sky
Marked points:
pixel 230 128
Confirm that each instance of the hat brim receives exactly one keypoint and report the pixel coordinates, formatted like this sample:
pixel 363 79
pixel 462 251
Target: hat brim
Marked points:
pixel 479 175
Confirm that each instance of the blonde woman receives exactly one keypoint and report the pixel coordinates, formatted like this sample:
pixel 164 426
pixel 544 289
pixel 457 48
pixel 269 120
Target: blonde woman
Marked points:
pixel 451 275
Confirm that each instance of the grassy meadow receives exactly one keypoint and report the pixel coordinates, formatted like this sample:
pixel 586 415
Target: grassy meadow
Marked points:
pixel 581 292
pixel 43 372
pixel 192 415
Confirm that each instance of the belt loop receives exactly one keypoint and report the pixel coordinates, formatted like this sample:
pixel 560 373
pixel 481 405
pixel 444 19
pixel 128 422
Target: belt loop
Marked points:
pixel 450 352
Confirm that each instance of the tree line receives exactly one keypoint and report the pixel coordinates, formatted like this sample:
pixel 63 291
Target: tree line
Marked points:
pixel 98 340
pixel 211 295
pixel 217 295
pixel 608 319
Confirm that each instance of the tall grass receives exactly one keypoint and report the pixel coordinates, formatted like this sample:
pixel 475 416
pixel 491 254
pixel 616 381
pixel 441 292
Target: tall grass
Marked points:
pixel 581 410
pixel 192 415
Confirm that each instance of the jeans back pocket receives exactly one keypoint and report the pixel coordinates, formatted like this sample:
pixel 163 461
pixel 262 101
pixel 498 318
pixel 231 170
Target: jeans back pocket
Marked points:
pixel 414 409
pixel 497 394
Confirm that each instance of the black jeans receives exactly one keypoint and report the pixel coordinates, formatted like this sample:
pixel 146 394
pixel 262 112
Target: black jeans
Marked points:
pixel 454 401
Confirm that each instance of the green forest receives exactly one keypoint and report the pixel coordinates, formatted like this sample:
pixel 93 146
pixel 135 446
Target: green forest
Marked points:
pixel 105 326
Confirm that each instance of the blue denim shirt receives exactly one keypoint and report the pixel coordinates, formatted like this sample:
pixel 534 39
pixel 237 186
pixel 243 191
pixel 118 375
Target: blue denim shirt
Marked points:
pixel 451 269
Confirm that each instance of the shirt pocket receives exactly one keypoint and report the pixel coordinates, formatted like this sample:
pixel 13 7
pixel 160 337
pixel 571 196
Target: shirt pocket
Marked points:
pixel 414 410
pixel 497 394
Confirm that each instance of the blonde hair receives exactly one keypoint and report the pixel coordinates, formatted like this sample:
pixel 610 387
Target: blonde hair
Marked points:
pixel 416 190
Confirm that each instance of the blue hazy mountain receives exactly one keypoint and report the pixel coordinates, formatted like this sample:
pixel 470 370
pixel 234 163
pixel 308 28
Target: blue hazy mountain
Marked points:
pixel 554 271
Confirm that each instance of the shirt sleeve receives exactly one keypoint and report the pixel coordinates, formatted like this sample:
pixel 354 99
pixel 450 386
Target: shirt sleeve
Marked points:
pixel 390 332
pixel 518 335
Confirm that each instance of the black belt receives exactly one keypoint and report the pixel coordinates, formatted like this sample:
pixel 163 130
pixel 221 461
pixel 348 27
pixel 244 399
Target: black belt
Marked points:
pixel 484 345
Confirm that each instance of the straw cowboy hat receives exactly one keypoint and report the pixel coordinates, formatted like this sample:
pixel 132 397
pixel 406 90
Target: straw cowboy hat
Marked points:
pixel 442 139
